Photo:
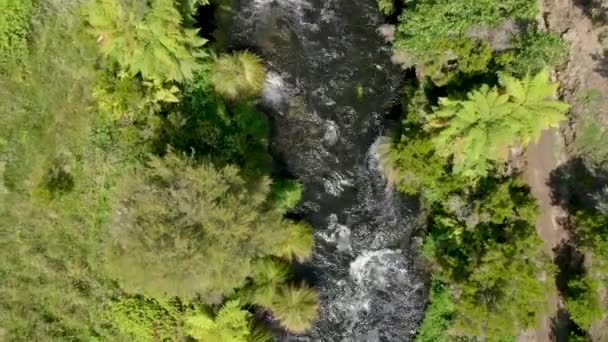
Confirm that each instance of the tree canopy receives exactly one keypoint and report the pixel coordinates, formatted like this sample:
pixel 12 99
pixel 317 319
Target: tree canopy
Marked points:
pixel 146 39
pixel 479 131
pixel 186 229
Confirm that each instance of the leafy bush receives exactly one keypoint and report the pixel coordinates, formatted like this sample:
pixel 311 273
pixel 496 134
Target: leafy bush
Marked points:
pixel 234 133
pixel 175 220
pixel 435 33
pixel 591 142
pixel 439 316
pixel 146 319
pixel 532 52
pixel 286 193
pixel 476 245
pixel 409 160
pixel 583 301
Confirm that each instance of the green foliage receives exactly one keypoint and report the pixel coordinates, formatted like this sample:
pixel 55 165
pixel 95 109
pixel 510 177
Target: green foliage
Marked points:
pixel 592 237
pixel 189 7
pixel 414 167
pixel 436 33
pixel 15 18
pixel 120 97
pixel 268 276
pixel 532 52
pixel 471 56
pixel 170 238
pixel 439 316
pixel 479 131
pixel 146 319
pixel 231 324
pixel 297 243
pixel 239 75
pixel 146 39
pixel 295 307
pixel 535 103
pixel 592 142
pixel 52 288
pixel 387 7
pixel 507 290
pixel 445 39
pixel 476 132
pixel 286 193
pixel 410 162
pixel 583 301
pixel 235 133
pixel 485 250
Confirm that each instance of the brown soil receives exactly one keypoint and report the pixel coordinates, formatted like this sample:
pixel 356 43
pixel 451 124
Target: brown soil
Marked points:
pixel 542 160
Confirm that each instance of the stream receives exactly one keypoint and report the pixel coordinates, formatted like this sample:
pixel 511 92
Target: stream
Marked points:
pixel 329 88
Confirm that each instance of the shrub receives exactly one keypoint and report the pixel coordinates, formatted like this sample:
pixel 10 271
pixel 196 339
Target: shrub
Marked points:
pixel 187 229
pixel 145 319
pixel 583 301
pixel 286 193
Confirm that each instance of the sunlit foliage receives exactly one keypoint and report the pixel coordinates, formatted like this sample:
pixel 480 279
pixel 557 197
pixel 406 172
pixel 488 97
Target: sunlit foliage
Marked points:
pixel 146 39
pixel 479 131
pixel 238 75
pixel 188 229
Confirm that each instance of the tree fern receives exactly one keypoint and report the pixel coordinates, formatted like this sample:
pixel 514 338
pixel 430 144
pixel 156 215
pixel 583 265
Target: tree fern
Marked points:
pixel 479 130
pixel 232 324
pixel 475 131
pixel 296 307
pixel 537 109
pixel 296 243
pixel 238 75
pixel 148 41
pixel 268 276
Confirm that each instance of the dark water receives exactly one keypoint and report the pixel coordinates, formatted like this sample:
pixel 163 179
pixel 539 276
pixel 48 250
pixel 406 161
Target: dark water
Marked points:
pixel 328 90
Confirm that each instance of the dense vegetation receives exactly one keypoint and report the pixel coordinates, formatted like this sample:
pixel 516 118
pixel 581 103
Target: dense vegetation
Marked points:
pixel 136 200
pixel 483 93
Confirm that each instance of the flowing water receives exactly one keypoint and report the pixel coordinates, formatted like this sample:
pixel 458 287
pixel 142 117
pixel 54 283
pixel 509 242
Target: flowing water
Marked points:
pixel 329 85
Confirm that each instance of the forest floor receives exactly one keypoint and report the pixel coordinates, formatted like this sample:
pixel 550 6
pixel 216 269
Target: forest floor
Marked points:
pixel 585 71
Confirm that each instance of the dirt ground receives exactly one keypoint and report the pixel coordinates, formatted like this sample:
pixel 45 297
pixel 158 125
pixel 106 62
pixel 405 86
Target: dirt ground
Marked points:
pixel 542 159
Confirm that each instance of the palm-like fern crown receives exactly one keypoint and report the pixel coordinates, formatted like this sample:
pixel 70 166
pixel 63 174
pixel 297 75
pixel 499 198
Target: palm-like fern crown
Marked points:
pixel 153 44
pixel 537 108
pixel 479 130
pixel 296 307
pixel 231 324
pixel 238 75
